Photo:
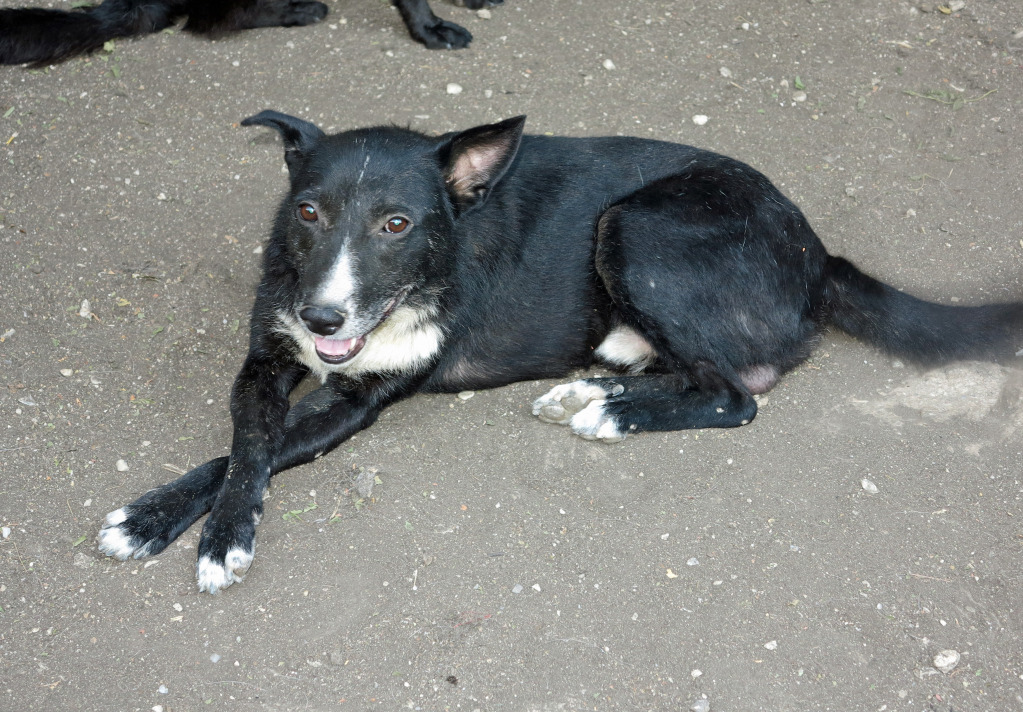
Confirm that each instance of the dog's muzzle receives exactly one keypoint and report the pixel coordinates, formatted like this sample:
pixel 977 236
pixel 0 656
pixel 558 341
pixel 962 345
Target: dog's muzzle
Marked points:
pixel 324 322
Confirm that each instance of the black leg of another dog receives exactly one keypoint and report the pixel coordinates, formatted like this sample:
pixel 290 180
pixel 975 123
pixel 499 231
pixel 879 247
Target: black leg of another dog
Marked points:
pixel 216 18
pixel 430 30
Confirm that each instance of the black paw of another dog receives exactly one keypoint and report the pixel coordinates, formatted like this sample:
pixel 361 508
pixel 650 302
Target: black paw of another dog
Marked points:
pixel 479 4
pixel 445 35
pixel 302 12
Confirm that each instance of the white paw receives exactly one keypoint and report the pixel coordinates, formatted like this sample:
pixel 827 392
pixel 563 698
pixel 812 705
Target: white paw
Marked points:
pixel 115 541
pixel 562 402
pixel 214 577
pixel 592 423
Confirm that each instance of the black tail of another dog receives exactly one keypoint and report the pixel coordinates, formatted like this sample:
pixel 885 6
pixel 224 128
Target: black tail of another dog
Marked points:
pixel 40 36
pixel 919 331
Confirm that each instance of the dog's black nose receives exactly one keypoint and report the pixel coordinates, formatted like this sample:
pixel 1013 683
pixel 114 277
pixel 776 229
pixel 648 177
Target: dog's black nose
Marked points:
pixel 322 320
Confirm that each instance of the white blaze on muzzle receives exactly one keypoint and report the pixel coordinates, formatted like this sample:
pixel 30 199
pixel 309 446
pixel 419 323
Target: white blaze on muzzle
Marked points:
pixel 339 286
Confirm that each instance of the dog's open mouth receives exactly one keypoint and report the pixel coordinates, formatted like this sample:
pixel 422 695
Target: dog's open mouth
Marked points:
pixel 337 351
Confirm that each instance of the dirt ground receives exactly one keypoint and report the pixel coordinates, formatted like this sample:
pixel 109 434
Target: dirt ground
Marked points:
pixel 499 563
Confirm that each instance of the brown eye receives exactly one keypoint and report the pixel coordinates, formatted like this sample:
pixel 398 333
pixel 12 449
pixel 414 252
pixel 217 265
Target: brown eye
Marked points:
pixel 397 225
pixel 307 212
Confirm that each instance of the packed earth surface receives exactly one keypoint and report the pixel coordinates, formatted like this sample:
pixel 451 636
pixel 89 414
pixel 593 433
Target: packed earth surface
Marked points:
pixel 460 554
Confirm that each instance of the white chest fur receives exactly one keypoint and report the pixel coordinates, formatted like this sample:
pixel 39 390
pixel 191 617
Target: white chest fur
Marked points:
pixel 406 341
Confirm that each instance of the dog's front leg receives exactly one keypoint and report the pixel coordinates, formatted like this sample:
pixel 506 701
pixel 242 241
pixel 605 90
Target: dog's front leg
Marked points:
pixel 270 438
pixel 259 404
pixel 315 425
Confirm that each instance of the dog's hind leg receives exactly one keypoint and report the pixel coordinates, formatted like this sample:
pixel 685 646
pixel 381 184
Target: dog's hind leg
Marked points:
pixel 608 409
pixel 715 280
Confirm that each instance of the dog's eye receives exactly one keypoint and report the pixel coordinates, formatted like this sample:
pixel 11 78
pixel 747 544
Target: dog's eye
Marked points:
pixel 307 212
pixel 397 225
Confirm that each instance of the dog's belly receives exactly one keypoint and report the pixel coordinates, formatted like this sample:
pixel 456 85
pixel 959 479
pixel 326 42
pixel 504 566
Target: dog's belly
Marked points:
pixel 502 361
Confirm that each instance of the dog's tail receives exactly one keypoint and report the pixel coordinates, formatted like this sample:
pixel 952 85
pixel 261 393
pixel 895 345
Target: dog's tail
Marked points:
pixel 40 36
pixel 916 330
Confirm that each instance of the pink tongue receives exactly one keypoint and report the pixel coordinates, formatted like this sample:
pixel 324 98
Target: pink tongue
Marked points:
pixel 334 347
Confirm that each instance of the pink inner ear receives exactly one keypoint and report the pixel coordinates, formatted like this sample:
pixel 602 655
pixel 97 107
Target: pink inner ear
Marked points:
pixel 473 167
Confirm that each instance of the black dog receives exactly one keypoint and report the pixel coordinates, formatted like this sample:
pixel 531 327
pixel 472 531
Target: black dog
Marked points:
pixel 41 36
pixel 400 263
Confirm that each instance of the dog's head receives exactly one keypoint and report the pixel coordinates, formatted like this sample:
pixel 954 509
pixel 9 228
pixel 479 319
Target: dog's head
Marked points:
pixel 366 233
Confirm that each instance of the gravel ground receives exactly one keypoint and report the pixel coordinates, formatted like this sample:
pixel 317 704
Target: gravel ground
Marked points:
pixel 498 563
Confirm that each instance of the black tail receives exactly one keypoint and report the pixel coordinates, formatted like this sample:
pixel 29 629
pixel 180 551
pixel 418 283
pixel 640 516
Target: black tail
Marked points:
pixel 40 36
pixel 916 330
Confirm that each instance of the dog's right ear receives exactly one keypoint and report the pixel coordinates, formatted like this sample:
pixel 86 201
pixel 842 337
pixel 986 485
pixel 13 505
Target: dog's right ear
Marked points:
pixel 475 160
pixel 298 135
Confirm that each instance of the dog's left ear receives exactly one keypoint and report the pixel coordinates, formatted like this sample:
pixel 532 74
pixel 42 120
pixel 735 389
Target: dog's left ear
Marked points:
pixel 476 159
pixel 298 135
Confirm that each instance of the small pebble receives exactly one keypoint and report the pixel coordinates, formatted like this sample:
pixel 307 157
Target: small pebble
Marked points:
pixel 946 660
pixel 536 587
pixel 87 503
pixel 65 372
pixel 956 5
pixel 488 93
pixel 483 13
pixel 5 532
pixel 700 706
pixel 700 119
pixel 157 708
pixel 693 562
pixel 726 72
pixel 608 64
pixel 364 482
pixel 771 645
pixel 517 588
pixel 911 213
pixel 799 96
pixel 664 537
pixel 121 466
pixel 162 689
pixel 214 658
pixel 85 311
pixel 178 607
pixel 454 88
pixel 868 486
pixel 466 395
pixel 696 673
